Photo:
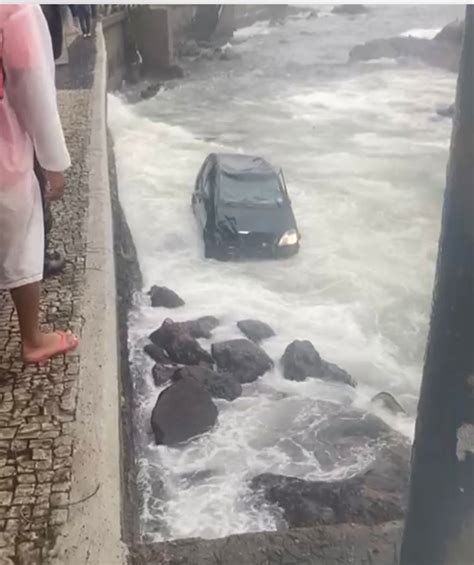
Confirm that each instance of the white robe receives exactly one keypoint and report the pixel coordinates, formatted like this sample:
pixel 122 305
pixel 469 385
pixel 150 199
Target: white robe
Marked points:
pixel 29 121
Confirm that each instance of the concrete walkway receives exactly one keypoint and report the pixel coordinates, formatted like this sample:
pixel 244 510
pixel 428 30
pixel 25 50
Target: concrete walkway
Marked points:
pixel 59 417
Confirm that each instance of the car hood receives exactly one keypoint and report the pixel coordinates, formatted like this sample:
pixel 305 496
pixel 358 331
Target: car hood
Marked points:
pixel 272 220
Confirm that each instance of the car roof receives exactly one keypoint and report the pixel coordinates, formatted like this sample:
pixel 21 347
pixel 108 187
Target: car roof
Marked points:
pixel 236 164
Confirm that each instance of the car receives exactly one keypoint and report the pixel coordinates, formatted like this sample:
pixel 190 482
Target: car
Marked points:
pixel 243 209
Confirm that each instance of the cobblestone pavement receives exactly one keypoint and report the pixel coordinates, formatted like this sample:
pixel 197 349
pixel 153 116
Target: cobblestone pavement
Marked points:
pixel 38 403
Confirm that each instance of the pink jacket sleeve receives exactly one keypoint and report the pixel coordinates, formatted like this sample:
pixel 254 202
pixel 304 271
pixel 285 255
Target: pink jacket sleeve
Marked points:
pixel 30 84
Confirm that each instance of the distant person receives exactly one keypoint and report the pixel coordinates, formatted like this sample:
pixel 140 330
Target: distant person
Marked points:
pixel 29 123
pixel 83 12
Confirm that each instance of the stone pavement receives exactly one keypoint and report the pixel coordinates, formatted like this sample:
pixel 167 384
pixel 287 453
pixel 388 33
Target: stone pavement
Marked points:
pixel 38 403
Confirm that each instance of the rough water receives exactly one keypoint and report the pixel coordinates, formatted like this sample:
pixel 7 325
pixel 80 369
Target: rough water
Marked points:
pixel 364 155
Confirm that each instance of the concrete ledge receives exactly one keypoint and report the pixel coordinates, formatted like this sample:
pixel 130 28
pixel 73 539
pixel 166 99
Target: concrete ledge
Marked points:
pixel 93 532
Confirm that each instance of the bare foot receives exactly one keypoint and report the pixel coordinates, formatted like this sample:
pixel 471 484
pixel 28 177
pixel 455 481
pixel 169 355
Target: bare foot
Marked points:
pixel 49 345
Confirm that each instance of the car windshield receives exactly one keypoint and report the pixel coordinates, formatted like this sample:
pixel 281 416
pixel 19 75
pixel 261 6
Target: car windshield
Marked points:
pixel 248 190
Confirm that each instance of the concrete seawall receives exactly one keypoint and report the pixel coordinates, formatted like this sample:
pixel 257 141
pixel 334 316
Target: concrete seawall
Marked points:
pixel 93 533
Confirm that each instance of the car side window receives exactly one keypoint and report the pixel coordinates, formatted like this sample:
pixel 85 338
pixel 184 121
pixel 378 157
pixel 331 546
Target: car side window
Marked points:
pixel 207 179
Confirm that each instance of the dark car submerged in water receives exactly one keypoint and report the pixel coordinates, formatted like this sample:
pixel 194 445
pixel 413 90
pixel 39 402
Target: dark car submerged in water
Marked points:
pixel 243 208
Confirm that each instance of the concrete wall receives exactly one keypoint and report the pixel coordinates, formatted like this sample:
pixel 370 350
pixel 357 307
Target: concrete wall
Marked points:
pixel 151 29
pixel 115 40
pixel 180 18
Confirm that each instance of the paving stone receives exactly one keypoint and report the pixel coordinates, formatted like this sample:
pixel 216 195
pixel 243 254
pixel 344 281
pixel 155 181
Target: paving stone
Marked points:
pixel 7 433
pixel 58 517
pixel 6 484
pixel 5 498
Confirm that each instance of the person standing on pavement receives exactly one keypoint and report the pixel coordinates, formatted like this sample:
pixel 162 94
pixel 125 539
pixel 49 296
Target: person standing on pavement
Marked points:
pixel 29 123
pixel 83 12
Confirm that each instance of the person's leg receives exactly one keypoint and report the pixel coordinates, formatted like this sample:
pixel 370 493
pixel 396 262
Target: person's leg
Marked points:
pixel 46 212
pixel 82 20
pixel 34 341
pixel 54 262
pixel 88 22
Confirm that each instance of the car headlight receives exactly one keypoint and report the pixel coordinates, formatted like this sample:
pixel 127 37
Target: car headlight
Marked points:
pixel 288 238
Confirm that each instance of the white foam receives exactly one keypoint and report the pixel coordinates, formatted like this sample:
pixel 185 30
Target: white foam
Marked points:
pixel 258 28
pixel 421 33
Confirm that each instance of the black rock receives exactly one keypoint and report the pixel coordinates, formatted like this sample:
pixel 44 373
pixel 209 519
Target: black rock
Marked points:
pixel 242 359
pixel 332 372
pixel 442 54
pixel 301 360
pixel 189 49
pixel 377 495
pixel 179 344
pixel 452 33
pixel 164 297
pixel 162 374
pixel 183 411
pixel 350 9
pixel 389 402
pixel 157 353
pixel 219 385
pixel 200 328
pixel 150 91
pixel 228 55
pixel 255 330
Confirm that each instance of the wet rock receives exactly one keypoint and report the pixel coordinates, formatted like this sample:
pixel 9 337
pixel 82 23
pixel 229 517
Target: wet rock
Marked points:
pixel 255 330
pixel 164 297
pixel 451 33
pixel 354 428
pixel 150 91
pixel 389 402
pixel 228 54
pixel 183 411
pixel 446 111
pixel 157 353
pixel 440 54
pixel 241 358
pixel 189 49
pixel 301 360
pixel 180 345
pixel 173 71
pixel 207 54
pixel 200 328
pixel 350 9
pixel 219 385
pixel 344 433
pixel 376 495
pixel 162 374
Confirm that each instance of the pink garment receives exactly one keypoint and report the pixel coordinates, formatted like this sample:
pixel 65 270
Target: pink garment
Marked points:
pixel 29 120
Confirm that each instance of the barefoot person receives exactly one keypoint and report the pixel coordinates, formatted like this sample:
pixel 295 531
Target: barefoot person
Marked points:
pixel 29 122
